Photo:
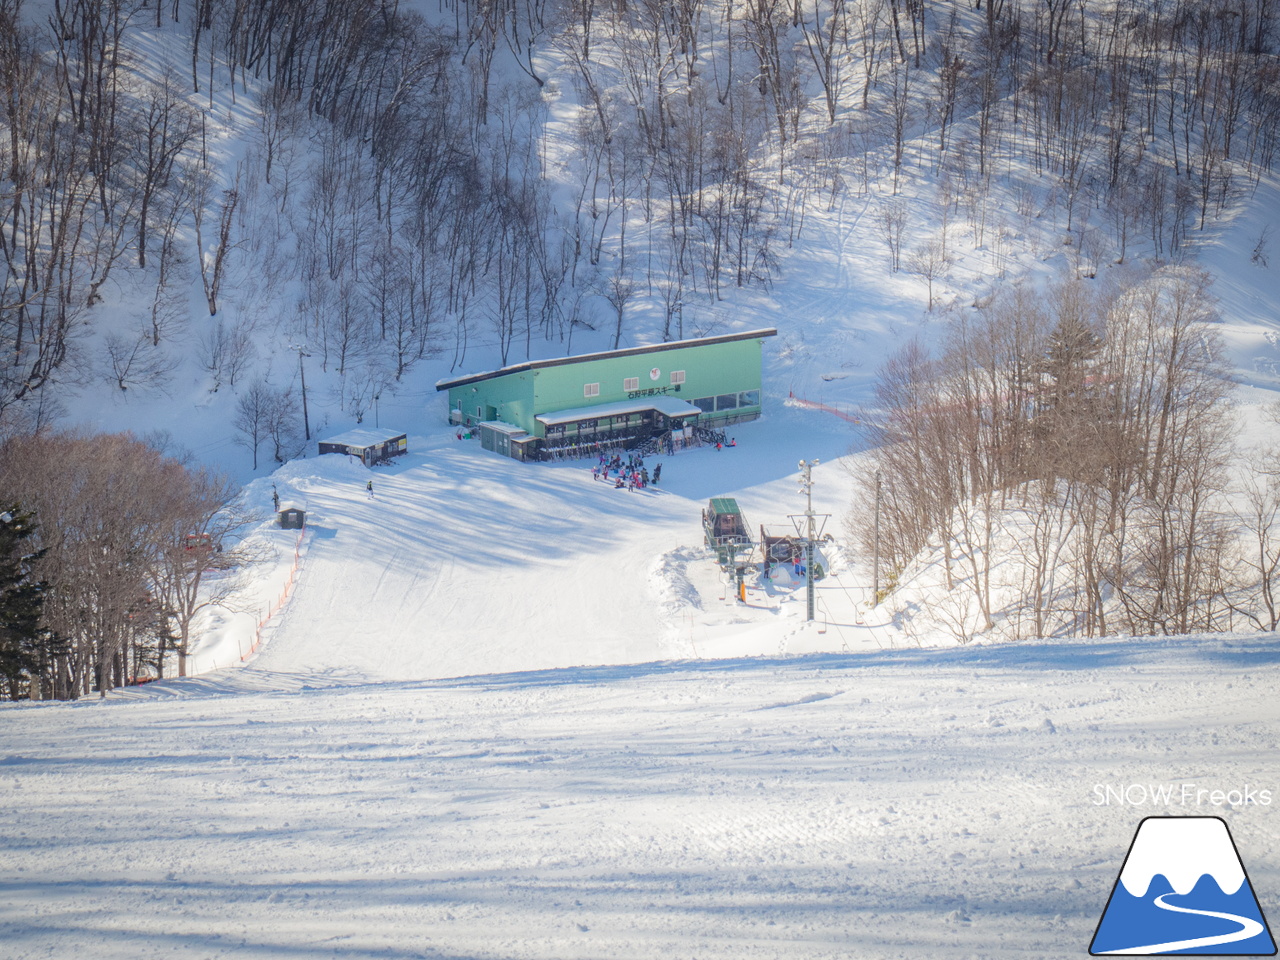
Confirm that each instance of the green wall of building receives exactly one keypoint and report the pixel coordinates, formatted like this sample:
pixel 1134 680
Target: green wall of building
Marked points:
pixel 711 370
pixel 508 398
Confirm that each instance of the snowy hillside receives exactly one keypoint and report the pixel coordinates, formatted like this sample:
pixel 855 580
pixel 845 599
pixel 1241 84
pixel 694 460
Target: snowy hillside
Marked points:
pixel 422 761
pixel 499 710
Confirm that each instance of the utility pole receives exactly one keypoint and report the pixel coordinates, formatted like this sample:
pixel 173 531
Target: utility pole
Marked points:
pixel 811 533
pixel 875 550
pixel 302 375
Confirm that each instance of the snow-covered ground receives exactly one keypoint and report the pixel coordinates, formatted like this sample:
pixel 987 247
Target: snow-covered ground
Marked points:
pixel 507 711
pixel 466 562
pixel 913 803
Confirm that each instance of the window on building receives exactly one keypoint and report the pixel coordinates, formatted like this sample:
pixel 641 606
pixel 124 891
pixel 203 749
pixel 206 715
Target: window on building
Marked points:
pixel 591 390
pixel 677 376
pixel 631 383
pixel 727 401
pixel 749 398
pixel 480 412
pixel 706 404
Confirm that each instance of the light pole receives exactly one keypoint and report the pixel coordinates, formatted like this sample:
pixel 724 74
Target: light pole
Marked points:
pixel 806 487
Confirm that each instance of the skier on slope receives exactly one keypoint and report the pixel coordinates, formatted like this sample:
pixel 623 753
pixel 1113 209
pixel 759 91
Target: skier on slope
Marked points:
pixel 369 487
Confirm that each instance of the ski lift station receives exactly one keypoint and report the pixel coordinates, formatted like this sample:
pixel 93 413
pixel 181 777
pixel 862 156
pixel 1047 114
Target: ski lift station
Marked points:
pixel 573 405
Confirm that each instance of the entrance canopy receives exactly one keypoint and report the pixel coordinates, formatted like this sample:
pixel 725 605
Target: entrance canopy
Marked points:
pixel 672 407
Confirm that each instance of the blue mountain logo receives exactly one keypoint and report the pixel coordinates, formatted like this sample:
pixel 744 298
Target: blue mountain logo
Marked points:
pixel 1183 891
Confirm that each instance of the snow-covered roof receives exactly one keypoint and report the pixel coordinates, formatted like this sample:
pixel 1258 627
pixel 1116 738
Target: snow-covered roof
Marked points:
pixel 364 437
pixel 509 429
pixel 625 352
pixel 671 406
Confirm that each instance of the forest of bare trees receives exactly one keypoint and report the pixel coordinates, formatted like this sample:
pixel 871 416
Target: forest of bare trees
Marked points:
pixel 129 544
pixel 1073 453
pixel 422 206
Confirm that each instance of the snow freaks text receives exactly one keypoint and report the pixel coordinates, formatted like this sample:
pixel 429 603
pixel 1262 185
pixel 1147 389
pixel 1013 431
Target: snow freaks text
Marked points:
pixel 1177 795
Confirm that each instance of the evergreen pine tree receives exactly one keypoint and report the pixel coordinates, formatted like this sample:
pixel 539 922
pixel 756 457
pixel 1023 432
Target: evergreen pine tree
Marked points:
pixel 1073 345
pixel 1066 424
pixel 26 648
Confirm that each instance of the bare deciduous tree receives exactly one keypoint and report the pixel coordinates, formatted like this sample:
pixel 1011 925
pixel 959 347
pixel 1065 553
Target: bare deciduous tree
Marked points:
pixel 930 261
pixel 1100 428
pixel 200 553
pixel 112 511
pixel 253 416
pixel 892 221
pixel 226 350
pixel 134 361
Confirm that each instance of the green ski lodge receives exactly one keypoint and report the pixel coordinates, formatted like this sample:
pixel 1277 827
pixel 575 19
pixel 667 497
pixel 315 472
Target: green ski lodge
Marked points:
pixel 574 406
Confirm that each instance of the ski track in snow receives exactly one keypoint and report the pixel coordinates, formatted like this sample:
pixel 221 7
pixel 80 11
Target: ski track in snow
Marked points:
pixel 820 806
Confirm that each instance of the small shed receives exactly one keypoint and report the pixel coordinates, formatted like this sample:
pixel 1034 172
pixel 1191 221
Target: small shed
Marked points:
pixel 369 445
pixel 503 438
pixel 779 546
pixel 292 518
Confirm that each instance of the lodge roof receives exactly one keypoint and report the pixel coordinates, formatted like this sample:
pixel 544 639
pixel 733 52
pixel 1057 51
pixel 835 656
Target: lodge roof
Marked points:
pixel 604 355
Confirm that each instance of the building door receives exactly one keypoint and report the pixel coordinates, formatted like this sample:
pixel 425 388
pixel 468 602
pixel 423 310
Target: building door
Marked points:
pixel 490 413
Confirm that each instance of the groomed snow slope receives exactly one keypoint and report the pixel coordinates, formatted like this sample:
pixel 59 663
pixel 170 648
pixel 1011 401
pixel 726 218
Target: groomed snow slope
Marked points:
pixel 341 796
pixel 465 562
pixel 924 803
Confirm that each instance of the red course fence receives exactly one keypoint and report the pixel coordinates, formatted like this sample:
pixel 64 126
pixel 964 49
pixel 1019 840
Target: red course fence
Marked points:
pixel 280 600
pixel 822 406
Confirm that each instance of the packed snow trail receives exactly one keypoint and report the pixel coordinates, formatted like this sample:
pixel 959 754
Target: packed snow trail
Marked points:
pixel 904 804
pixel 467 562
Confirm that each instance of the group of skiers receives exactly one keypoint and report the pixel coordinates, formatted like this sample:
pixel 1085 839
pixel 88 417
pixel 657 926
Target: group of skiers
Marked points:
pixel 631 475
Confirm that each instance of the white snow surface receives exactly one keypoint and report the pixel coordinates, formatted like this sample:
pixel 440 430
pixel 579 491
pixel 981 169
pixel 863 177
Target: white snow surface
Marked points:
pixel 920 803
pixel 1183 849
pixel 509 712
pixel 466 562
